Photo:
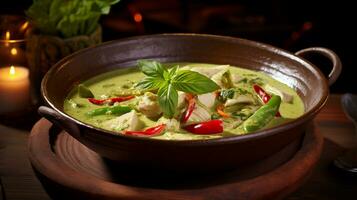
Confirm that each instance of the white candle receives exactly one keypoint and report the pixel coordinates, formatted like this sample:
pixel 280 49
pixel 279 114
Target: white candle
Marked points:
pixel 14 89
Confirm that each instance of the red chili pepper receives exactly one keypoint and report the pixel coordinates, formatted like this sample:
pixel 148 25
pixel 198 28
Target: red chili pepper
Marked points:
pixel 191 106
pixel 120 99
pixel 156 130
pixel 110 100
pixel 264 96
pixel 96 101
pixel 206 128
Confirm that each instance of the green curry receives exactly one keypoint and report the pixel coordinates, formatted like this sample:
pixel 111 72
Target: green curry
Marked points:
pixel 183 101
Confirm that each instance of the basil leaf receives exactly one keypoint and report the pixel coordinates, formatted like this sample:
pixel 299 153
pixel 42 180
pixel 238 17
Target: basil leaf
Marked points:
pixel 173 71
pixel 150 83
pixel 193 82
pixel 152 68
pixel 168 99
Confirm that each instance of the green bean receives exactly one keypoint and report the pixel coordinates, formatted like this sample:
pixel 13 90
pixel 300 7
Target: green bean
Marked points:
pixel 263 115
pixel 110 110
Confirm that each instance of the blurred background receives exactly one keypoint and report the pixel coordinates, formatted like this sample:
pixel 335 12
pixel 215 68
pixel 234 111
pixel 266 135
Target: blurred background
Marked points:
pixel 291 25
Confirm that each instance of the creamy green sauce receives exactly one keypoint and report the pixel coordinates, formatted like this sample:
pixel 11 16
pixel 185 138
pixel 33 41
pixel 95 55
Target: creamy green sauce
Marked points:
pixel 105 84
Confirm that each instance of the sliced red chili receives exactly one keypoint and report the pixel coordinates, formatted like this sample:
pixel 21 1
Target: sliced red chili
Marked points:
pixel 120 99
pixel 110 100
pixel 191 106
pixel 152 131
pixel 206 128
pixel 264 96
pixel 97 101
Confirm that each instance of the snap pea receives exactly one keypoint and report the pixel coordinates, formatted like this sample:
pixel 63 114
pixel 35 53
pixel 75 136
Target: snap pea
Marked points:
pixel 110 110
pixel 263 115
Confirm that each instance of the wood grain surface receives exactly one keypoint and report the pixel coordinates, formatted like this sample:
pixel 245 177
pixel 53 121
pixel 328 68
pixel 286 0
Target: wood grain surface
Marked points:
pixel 18 181
pixel 17 177
pixel 72 171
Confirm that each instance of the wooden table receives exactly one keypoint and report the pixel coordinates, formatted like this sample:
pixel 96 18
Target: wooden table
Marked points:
pixel 19 182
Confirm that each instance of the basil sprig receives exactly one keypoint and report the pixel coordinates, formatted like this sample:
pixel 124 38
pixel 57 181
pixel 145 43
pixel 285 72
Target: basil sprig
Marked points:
pixel 168 82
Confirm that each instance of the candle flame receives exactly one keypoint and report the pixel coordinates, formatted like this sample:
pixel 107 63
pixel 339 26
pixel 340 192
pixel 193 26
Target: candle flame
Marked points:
pixel 138 17
pixel 12 70
pixel 24 26
pixel 7 35
pixel 13 51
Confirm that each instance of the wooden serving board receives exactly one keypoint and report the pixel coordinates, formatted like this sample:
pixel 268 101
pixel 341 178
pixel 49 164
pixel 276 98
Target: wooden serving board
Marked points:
pixel 69 170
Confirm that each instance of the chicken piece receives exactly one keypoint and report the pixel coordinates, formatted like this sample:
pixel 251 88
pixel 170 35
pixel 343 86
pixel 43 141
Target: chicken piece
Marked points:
pixel 199 114
pixel 207 99
pixel 128 121
pixel 171 124
pixel 241 99
pixel 236 78
pixel 149 106
pixel 219 74
pixel 285 97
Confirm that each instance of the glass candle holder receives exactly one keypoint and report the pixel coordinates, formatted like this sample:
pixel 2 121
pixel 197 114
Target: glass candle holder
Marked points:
pixel 15 84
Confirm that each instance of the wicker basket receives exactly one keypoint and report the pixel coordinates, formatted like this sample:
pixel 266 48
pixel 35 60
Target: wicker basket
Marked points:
pixel 43 51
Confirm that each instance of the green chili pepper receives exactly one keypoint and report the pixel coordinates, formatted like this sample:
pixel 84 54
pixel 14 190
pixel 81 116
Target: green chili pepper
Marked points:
pixel 262 116
pixel 84 92
pixel 110 110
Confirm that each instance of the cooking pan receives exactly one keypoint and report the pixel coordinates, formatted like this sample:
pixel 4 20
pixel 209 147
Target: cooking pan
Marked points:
pixel 195 155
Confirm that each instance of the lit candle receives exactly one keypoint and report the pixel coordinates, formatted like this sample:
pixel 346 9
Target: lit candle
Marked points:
pixel 14 89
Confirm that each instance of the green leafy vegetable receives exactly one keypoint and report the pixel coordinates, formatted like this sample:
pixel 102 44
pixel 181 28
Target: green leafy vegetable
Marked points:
pixel 173 71
pixel 257 80
pixel 150 83
pixel 227 94
pixel 169 82
pixel 168 99
pixel 152 69
pixel 68 18
pixel 193 82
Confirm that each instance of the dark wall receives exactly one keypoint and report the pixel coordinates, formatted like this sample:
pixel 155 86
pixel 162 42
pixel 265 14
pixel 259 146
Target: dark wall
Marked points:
pixel 291 25
pixel 14 6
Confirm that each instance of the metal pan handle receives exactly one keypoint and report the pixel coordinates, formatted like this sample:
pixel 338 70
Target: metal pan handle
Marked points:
pixel 336 62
